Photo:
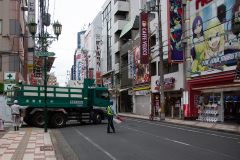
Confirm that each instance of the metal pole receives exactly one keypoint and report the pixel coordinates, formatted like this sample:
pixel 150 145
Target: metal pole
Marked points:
pixel 45 68
pixel 45 86
pixel 161 61
pixel 116 90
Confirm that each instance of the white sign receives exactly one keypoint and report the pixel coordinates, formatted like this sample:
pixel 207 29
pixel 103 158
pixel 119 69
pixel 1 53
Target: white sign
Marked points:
pixel 130 64
pixel 142 92
pixel 9 76
pixel 31 7
pixel 8 87
pixel 185 97
pixel 130 92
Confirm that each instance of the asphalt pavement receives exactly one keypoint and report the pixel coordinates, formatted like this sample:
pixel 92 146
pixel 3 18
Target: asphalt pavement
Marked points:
pixel 143 139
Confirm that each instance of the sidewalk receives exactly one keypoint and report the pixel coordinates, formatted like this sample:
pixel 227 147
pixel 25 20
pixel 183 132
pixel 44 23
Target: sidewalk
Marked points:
pixel 26 144
pixel 229 128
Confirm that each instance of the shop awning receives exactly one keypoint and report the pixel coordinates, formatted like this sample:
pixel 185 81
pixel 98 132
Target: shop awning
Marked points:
pixel 132 24
pixel 125 89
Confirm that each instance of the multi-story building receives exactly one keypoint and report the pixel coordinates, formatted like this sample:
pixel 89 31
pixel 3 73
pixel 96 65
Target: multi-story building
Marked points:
pixel 212 52
pixel 115 15
pixel 52 80
pixel 13 44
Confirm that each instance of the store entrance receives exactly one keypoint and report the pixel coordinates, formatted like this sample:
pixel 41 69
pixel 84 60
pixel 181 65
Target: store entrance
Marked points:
pixel 231 105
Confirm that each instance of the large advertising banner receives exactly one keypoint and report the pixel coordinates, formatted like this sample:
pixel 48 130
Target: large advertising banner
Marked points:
pixel 214 42
pixel 141 71
pixel 176 47
pixel 144 38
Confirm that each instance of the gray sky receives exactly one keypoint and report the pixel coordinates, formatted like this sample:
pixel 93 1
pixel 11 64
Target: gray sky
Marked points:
pixel 72 14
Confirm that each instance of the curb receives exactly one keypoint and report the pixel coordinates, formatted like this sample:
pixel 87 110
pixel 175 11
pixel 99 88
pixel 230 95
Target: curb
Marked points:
pixel 193 126
pixel 57 151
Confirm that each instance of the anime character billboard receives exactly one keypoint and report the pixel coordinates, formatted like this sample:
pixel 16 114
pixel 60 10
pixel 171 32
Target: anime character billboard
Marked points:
pixel 213 41
pixel 176 46
pixel 141 71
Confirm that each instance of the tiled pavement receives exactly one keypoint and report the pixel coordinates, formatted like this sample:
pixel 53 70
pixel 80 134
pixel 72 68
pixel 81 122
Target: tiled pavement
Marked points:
pixel 230 128
pixel 25 145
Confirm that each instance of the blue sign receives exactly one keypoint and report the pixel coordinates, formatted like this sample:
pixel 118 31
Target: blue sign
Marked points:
pixel 79 38
pixel 79 66
pixel 74 72
pixel 79 76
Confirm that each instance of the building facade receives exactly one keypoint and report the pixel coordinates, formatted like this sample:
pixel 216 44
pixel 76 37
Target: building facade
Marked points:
pixel 13 44
pixel 214 47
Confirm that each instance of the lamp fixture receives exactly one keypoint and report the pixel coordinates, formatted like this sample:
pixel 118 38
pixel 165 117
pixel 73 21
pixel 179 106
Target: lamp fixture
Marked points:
pixel 57 28
pixel 32 26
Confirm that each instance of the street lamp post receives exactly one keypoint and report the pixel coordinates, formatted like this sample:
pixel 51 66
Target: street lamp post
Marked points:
pixel 57 27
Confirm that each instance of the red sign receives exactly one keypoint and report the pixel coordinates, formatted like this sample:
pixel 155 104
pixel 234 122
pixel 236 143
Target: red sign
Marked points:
pixel 202 3
pixel 90 73
pixel 32 79
pixel 144 38
pixel 98 77
pixel 165 87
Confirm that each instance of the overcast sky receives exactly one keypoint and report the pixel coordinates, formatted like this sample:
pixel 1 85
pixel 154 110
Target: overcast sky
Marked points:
pixel 72 14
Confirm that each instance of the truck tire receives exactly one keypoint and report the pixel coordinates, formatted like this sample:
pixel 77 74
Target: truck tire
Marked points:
pixel 97 118
pixel 27 120
pixel 38 119
pixel 58 120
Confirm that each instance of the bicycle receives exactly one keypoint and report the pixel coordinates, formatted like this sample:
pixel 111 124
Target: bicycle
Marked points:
pixel 152 116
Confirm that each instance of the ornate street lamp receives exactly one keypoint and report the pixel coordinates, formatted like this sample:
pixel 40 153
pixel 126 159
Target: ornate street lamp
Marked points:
pixel 32 26
pixel 57 28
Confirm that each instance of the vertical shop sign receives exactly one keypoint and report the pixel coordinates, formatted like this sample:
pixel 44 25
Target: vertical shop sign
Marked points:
pixel 144 38
pixel 176 47
pixel 90 73
pixel 130 64
pixel 32 79
pixel 74 72
pixel 186 109
pixel 98 77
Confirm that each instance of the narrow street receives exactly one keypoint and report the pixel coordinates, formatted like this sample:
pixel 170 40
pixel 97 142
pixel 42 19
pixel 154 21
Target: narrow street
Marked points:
pixel 142 139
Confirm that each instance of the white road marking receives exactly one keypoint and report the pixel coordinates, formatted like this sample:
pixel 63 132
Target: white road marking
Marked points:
pixel 177 142
pixel 183 129
pixel 89 140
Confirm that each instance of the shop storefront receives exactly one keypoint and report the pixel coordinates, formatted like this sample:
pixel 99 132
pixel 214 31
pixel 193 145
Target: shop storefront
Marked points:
pixel 221 98
pixel 214 53
pixel 172 96
pixel 142 101
pixel 126 100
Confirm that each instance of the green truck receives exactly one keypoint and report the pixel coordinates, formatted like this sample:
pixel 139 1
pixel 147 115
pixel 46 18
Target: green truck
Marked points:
pixel 63 103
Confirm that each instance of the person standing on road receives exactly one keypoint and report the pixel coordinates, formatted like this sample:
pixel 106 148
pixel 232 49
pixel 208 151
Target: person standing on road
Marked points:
pixel 111 111
pixel 16 114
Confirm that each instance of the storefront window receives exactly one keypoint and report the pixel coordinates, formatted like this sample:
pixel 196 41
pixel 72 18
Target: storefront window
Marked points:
pixel 231 105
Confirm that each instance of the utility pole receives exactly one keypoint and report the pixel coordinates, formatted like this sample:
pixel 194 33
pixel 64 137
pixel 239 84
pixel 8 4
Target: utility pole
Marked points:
pixel 45 67
pixel 162 100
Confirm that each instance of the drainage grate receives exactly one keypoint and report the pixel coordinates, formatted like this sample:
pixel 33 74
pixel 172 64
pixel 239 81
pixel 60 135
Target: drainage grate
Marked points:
pixel 46 148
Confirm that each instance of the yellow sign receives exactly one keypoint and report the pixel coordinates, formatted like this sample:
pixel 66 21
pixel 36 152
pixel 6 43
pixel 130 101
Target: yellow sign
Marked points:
pixel 30 66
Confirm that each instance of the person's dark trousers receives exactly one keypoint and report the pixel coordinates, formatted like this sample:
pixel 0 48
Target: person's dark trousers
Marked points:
pixel 110 123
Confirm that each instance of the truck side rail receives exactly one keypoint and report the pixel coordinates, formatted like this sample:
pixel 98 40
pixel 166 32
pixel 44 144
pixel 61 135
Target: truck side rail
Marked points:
pixel 56 96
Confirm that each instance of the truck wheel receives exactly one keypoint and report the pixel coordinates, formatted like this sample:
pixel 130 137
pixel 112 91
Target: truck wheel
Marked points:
pixel 97 118
pixel 38 119
pixel 58 120
pixel 27 120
